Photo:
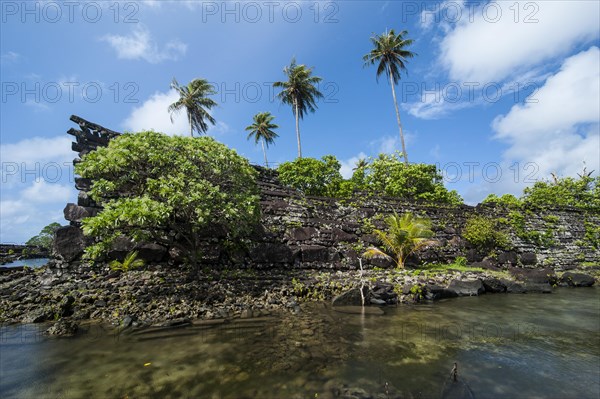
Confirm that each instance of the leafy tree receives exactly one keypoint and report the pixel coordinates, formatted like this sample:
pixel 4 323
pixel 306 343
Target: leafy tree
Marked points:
pixel 406 234
pixel 388 175
pixel 131 261
pixel 312 176
pixel 390 54
pixel 262 130
pixel 46 236
pixel 300 92
pixel 583 192
pixel 170 190
pixel 193 98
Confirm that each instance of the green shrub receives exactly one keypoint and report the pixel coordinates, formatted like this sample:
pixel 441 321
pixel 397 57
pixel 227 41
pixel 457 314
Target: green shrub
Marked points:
pixel 313 176
pixel 484 233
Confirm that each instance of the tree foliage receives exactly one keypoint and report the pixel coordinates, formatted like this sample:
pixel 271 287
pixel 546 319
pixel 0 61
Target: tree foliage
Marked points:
pixel 194 100
pixel 405 235
pixel 384 175
pixel 391 55
pixel 300 91
pixel 583 192
pixel 312 176
pixel 45 238
pixel 262 129
pixel 169 190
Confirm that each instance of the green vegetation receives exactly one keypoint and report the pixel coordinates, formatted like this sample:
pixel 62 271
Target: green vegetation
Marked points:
pixel 516 219
pixel 406 234
pixel 193 99
pixel 131 261
pixel 149 183
pixel 384 175
pixel 300 92
pixel 262 130
pixel 484 233
pixel 583 192
pixel 390 54
pixel 46 237
pixel 592 234
pixel 312 176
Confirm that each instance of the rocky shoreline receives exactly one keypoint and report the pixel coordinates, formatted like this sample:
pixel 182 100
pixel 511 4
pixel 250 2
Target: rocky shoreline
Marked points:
pixel 167 296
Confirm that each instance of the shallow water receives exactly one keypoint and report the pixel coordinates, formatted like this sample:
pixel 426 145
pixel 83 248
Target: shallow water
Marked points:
pixel 33 263
pixel 506 346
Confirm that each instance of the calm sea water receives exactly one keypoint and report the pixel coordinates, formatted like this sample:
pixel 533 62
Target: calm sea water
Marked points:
pixel 34 263
pixel 506 346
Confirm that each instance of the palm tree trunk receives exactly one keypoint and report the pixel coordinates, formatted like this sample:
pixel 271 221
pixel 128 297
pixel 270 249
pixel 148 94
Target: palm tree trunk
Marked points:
pixel 297 128
pixel 398 118
pixel 264 152
pixel 191 129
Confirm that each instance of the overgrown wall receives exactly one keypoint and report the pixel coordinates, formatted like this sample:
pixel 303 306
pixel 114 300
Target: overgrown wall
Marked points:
pixel 300 231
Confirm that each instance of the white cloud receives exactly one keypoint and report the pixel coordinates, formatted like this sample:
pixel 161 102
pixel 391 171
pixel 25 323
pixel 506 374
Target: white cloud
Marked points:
pixel 36 182
pixel 43 192
pixel 561 130
pixel 153 114
pixel 139 45
pixel 493 48
pixel 348 165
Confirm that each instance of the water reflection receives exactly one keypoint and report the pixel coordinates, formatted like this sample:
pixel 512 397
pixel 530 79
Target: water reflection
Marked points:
pixel 506 346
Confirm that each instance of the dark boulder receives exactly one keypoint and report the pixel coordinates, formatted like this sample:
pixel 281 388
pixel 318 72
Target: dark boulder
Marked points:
pixel 340 235
pixel 493 285
pixel 66 306
pixel 507 257
pixel 63 327
pixel 528 258
pixel 434 292
pixel 151 252
pixel 120 247
pixel 314 253
pixel 76 213
pixel 576 280
pixel 467 287
pixel 352 297
pixel 302 234
pixel 272 253
pixel 69 243
pixel 534 276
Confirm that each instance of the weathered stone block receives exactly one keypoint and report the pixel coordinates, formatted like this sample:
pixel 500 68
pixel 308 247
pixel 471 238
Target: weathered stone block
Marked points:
pixel 69 243
pixel 528 258
pixel 314 253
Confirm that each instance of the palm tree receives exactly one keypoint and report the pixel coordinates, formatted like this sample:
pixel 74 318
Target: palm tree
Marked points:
pixel 406 235
pixel 391 55
pixel 262 130
pixel 193 98
pixel 300 92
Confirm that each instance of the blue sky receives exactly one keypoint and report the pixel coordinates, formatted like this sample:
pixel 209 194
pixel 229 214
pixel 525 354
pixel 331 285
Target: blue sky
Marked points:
pixel 501 93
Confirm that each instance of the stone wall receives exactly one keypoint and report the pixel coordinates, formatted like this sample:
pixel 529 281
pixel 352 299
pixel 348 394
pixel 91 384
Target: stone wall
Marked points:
pixel 300 231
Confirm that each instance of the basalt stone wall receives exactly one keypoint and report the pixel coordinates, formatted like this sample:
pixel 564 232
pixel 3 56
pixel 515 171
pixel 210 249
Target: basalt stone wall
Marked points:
pixel 299 231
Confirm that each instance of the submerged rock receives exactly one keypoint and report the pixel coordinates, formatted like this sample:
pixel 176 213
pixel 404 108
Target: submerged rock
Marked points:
pixel 352 297
pixel 63 327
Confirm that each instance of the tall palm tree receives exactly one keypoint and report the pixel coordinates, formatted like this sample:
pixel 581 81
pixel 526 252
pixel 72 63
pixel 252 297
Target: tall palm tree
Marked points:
pixel 389 52
pixel 300 92
pixel 193 98
pixel 262 130
pixel 406 234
